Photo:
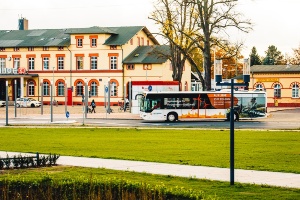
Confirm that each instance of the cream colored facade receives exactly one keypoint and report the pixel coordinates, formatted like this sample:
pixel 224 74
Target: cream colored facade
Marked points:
pixel 71 67
pixel 280 82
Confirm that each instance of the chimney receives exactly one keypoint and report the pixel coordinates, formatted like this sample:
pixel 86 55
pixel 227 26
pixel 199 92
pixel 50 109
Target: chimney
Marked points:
pixel 23 24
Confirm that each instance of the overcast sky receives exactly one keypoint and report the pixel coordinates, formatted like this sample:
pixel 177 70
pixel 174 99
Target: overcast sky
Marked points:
pixel 275 22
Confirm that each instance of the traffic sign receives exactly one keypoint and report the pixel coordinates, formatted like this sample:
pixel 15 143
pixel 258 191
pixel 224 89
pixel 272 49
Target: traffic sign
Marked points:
pixel 150 88
pixel 67 114
pixel 106 89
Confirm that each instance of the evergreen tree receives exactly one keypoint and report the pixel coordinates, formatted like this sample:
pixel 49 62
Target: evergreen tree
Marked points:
pixel 273 56
pixel 254 57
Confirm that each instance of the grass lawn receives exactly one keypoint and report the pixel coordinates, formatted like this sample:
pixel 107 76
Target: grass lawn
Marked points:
pixel 259 150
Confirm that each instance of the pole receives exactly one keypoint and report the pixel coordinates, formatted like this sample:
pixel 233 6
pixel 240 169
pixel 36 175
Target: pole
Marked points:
pixel 232 135
pixel 15 98
pixel 86 98
pixel 129 90
pixel 124 91
pixel 51 101
pixel 42 95
pixel 6 103
pixel 108 97
pixel 66 94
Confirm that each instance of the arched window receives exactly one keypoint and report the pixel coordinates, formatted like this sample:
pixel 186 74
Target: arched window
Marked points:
pixel 79 89
pixel 113 89
pixel 30 88
pixel 60 89
pixel 277 90
pixel 259 87
pixel 46 89
pixel 94 89
pixel 295 91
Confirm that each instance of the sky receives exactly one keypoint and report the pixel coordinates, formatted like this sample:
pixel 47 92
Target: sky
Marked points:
pixel 274 21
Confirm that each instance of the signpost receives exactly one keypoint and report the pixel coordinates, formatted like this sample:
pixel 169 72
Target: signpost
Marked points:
pixel 67 115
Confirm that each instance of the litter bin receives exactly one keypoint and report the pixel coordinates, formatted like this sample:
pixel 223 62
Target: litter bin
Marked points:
pixel 276 102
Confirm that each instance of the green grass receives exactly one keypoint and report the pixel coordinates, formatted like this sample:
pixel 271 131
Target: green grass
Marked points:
pixel 213 189
pixel 259 150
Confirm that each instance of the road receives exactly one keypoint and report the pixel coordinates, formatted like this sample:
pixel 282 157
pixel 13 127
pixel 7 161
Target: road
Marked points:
pixel 281 119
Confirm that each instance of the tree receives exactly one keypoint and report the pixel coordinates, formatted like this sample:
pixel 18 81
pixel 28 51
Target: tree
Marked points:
pixel 190 24
pixel 215 17
pixel 254 57
pixel 273 57
pixel 296 59
pixel 173 17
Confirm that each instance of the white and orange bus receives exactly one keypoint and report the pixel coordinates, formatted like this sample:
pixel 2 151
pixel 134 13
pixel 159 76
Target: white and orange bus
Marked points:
pixel 173 106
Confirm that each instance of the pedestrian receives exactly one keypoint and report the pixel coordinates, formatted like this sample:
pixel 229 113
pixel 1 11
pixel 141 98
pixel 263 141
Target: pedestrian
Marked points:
pixel 93 104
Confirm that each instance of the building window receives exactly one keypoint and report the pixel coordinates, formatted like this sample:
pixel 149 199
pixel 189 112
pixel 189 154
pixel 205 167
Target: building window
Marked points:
pixel 113 47
pixel 46 89
pixel 94 89
pixel 130 67
pixel 113 62
pixel 142 41
pixel 46 63
pixel 94 62
pixel 147 66
pixel 139 41
pixel 131 41
pixel 259 87
pixel 94 42
pixel 148 42
pixel 277 91
pixel 16 62
pixel 60 48
pixel 45 48
pixel 79 42
pixel 113 89
pixel 16 49
pixel 79 62
pixel 30 48
pixel 60 62
pixel 60 89
pixel 31 63
pixel 2 62
pixel 31 88
pixel 79 89
pixel 295 91
pixel 2 48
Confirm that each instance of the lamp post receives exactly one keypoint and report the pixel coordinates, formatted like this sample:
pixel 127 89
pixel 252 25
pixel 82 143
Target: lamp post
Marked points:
pixel 42 95
pixel 108 97
pixel 66 93
pixel 246 79
pixel 86 97
pixel 51 101
pixel 130 95
pixel 15 98
pixel 6 101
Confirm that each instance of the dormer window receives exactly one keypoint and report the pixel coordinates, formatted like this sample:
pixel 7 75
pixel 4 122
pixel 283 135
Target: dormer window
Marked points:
pixel 113 47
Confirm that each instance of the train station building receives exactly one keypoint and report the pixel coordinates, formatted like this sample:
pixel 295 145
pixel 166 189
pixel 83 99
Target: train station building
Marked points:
pixel 64 61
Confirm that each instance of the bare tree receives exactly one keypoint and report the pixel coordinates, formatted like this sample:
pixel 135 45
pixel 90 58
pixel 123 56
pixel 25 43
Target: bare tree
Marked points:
pixel 176 19
pixel 214 18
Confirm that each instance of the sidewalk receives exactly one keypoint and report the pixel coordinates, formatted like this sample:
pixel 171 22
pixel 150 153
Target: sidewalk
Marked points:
pixel 289 180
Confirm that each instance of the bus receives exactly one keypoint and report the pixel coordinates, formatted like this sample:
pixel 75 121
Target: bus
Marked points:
pixel 172 106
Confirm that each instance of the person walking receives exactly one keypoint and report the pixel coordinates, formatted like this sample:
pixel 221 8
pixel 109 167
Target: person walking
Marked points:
pixel 93 104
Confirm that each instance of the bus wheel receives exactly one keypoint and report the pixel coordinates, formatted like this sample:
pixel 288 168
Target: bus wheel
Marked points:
pixel 172 117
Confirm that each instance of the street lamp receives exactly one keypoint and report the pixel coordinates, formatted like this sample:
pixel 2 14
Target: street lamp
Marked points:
pixel 15 98
pixel 108 97
pixel 6 101
pixel 42 95
pixel 86 97
pixel 51 101
pixel 130 98
pixel 246 79
pixel 66 93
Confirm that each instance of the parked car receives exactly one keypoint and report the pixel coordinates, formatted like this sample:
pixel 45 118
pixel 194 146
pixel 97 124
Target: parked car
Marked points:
pixel 2 103
pixel 27 102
